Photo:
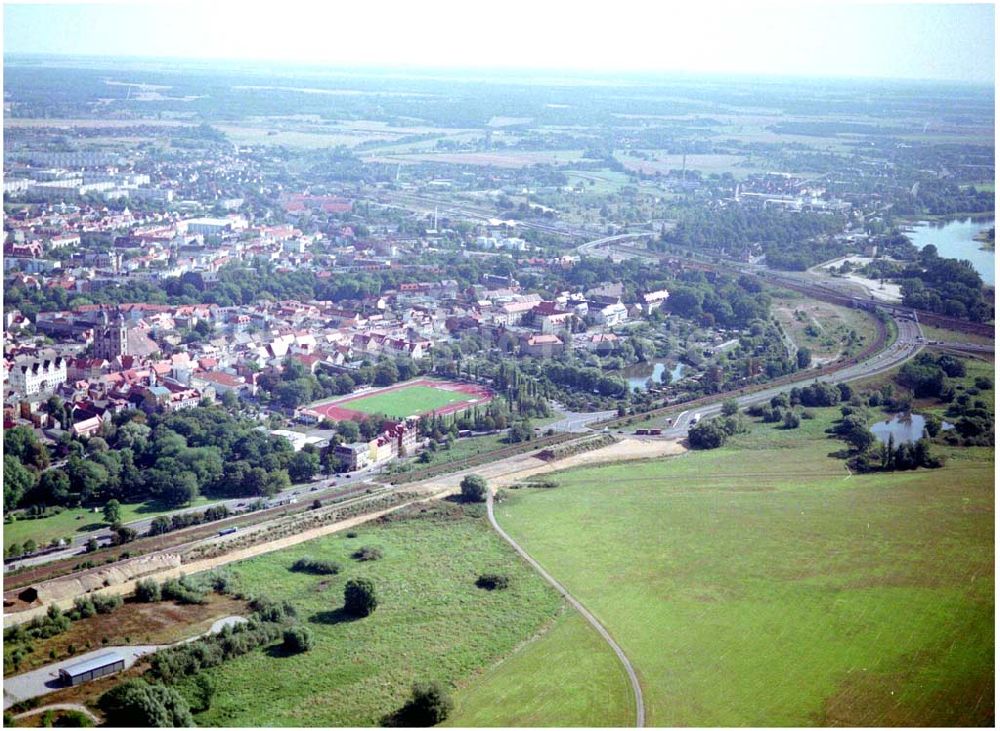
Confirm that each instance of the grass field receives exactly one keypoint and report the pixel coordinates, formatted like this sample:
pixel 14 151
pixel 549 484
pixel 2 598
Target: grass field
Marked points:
pixel 598 182
pixel 406 401
pixel 512 159
pixel 72 521
pixel 824 328
pixel 664 162
pixel 944 335
pixel 472 446
pixel 759 584
pixel 432 624
pixel 530 688
pixel 464 448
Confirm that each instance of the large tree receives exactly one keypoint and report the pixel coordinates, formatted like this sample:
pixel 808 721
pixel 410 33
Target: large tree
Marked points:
pixel 428 706
pixel 303 466
pixel 17 481
pixel 112 512
pixel 360 599
pixel 136 703
pixel 473 489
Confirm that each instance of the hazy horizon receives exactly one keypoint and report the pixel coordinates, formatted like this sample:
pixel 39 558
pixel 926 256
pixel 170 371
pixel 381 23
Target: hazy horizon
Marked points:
pixel 525 75
pixel 918 42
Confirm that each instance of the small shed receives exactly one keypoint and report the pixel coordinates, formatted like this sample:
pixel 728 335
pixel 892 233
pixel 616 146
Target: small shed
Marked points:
pixel 95 667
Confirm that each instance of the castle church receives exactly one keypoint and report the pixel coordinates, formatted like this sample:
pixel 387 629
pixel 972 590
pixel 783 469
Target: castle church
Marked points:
pixel 111 336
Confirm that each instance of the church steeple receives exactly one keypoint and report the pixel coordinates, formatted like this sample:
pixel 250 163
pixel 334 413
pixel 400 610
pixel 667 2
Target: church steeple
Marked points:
pixel 111 338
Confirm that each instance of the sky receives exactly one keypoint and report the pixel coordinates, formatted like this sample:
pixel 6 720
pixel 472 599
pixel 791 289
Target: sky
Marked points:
pixel 832 39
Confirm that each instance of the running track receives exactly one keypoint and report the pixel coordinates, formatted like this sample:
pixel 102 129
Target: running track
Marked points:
pixel 339 409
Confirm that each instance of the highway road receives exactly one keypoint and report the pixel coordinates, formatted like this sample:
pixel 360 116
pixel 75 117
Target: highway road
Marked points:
pixel 574 421
pixel 970 348
pixel 907 345
pixel 594 248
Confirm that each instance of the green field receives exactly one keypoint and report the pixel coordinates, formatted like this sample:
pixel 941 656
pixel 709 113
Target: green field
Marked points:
pixel 407 401
pixel 473 446
pixel 760 584
pixel 943 335
pixel 72 521
pixel 530 688
pixel 463 449
pixel 432 624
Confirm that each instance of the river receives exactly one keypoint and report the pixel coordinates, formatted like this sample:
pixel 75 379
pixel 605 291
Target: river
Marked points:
pixel 955 239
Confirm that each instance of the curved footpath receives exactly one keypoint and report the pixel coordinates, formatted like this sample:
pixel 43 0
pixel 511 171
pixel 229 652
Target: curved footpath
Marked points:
pixel 61 707
pixel 45 679
pixel 640 708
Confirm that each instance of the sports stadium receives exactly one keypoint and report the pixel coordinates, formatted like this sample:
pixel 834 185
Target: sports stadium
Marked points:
pixel 412 398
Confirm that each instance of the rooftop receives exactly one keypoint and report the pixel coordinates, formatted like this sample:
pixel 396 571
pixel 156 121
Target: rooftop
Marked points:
pixel 85 666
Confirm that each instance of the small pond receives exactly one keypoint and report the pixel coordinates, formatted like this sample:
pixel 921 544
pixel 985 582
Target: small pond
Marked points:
pixel 639 374
pixel 903 428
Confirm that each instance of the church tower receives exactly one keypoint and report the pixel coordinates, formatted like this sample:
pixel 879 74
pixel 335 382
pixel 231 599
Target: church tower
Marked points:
pixel 111 336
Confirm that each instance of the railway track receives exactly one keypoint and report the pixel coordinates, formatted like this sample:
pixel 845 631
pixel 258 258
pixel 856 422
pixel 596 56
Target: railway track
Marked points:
pixel 179 540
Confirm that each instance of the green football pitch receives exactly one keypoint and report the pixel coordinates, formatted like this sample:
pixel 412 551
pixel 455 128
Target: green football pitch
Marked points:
pixel 408 401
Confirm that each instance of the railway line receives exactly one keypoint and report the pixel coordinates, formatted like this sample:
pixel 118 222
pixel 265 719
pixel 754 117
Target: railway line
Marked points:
pixel 186 538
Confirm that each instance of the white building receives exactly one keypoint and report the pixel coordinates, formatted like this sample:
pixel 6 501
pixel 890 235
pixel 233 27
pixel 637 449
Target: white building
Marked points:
pixel 211 226
pixel 653 301
pixel 69 239
pixel 155 195
pixel 614 314
pixel 37 375
pixel 15 185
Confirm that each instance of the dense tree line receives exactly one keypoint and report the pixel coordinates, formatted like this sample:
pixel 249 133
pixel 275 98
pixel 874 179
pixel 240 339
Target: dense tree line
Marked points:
pixel 789 240
pixel 947 286
pixel 167 457
pixel 713 433
pixel 731 303
pixel 942 198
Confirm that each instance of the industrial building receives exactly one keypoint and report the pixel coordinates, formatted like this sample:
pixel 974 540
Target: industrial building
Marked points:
pixel 95 667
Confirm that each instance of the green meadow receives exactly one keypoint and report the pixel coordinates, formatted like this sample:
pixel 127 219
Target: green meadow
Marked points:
pixel 432 624
pixel 565 677
pixel 761 584
pixel 72 521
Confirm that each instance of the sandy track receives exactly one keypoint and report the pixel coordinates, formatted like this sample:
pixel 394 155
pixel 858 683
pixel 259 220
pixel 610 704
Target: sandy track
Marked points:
pixel 503 473
pixel 61 707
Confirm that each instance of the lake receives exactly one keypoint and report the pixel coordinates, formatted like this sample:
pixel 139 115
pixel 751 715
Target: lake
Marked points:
pixel 955 239
pixel 638 374
pixel 903 428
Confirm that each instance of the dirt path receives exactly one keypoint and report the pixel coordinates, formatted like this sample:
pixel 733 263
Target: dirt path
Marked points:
pixel 61 707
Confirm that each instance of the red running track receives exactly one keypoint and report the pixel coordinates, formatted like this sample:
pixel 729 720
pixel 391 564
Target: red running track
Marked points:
pixel 337 410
